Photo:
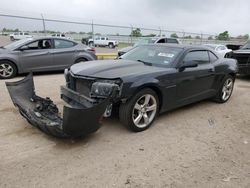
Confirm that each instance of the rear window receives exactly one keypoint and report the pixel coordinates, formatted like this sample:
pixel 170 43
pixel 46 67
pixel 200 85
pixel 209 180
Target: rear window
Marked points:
pixel 172 41
pixel 63 44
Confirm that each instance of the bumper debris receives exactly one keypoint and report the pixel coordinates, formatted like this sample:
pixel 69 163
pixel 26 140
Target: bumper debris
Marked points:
pixel 81 116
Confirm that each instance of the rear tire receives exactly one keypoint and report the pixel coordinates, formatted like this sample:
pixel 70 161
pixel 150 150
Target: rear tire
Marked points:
pixel 111 45
pixel 225 90
pixel 80 60
pixel 7 70
pixel 12 38
pixel 139 112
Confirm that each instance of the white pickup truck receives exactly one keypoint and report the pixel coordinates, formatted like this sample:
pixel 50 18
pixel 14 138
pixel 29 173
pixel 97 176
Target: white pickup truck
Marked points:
pixel 60 35
pixel 19 35
pixel 103 41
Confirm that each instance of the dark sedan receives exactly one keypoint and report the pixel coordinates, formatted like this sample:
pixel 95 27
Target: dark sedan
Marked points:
pixel 148 80
pixel 242 55
pixel 41 54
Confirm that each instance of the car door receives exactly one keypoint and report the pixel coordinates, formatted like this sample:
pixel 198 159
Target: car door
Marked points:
pixel 36 56
pixel 195 83
pixel 63 53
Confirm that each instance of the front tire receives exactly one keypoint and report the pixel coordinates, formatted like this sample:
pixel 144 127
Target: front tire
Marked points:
pixel 7 70
pixel 226 90
pixel 139 112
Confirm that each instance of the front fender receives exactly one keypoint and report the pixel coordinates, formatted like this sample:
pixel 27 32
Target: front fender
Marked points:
pixel 130 90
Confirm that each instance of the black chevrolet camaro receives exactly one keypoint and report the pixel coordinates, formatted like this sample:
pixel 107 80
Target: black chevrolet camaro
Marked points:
pixel 148 80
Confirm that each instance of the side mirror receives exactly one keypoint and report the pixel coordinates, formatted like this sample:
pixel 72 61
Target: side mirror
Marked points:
pixel 188 64
pixel 24 48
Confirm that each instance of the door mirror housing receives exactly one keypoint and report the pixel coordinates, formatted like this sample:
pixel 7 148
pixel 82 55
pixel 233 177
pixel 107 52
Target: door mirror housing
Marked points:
pixel 24 48
pixel 188 64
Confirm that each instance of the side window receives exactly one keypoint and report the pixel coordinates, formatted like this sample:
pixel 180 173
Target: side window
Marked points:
pixel 172 41
pixel 161 41
pixel 212 57
pixel 63 35
pixel 63 44
pixel 102 38
pixel 39 44
pixel 26 33
pixel 200 56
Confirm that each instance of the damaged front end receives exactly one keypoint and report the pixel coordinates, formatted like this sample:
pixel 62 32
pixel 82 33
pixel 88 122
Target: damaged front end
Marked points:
pixel 81 116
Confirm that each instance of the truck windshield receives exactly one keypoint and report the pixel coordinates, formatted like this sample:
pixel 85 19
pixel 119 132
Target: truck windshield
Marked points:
pixel 145 41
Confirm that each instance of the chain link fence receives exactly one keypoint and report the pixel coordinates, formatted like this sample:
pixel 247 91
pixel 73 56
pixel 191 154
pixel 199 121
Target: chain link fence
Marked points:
pixel 75 29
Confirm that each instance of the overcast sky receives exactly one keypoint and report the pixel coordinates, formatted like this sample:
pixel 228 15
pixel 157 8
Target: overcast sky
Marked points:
pixel 209 16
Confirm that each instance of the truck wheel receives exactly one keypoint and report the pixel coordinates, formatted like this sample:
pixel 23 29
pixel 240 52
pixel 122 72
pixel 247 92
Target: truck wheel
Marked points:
pixel 111 45
pixel 138 113
pixel 12 38
pixel 91 43
pixel 7 70
pixel 226 90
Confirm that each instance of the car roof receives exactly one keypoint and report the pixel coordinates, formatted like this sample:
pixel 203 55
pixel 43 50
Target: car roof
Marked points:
pixel 215 45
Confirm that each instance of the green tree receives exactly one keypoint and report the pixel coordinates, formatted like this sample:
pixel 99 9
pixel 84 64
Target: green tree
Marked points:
pixel 187 37
pixel 210 38
pixel 245 37
pixel 98 34
pixel 174 35
pixel 223 36
pixel 136 32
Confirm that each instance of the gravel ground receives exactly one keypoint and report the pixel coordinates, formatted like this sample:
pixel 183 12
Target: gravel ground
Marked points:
pixel 201 145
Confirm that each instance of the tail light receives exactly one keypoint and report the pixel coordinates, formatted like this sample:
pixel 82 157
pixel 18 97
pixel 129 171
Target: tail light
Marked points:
pixel 91 49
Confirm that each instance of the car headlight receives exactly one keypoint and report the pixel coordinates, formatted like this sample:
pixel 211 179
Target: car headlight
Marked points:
pixel 101 89
pixel 104 88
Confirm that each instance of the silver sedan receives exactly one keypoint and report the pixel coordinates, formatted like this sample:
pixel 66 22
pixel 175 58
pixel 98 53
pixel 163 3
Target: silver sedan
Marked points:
pixel 41 54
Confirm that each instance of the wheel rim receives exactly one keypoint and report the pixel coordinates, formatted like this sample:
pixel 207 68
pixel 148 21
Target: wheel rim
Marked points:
pixel 227 89
pixel 6 70
pixel 144 111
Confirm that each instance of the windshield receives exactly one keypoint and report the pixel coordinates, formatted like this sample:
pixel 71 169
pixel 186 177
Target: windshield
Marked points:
pixel 13 45
pixel 246 46
pixel 145 41
pixel 154 55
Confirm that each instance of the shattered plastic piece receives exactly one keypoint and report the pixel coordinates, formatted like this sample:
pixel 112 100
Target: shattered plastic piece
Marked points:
pixel 80 117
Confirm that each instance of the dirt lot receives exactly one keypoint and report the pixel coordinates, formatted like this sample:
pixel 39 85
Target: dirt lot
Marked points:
pixel 201 145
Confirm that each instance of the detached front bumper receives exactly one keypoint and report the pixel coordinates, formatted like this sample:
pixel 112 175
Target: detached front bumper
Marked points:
pixel 81 116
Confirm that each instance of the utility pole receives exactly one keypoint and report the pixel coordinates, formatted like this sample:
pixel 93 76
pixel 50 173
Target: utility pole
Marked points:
pixel 44 28
pixel 93 34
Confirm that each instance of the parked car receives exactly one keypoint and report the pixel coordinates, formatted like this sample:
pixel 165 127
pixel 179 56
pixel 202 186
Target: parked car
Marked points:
pixel 243 57
pixel 154 40
pixel 60 35
pixel 41 54
pixel 219 48
pixel 103 41
pixel 146 81
pixel 19 36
